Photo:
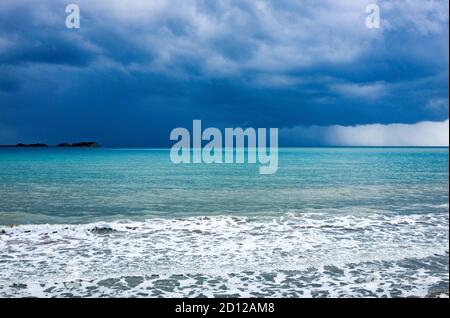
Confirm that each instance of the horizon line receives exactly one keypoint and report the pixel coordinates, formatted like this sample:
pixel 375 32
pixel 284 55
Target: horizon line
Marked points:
pixel 169 147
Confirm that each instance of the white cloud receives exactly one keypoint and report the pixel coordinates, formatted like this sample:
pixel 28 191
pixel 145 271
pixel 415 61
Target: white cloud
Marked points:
pixel 279 35
pixel 277 80
pixel 231 37
pixel 369 90
pixel 424 16
pixel 227 37
pixel 420 134
pixel 438 103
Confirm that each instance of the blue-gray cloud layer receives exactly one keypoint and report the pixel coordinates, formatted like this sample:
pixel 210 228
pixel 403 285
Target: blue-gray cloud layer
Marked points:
pixel 137 69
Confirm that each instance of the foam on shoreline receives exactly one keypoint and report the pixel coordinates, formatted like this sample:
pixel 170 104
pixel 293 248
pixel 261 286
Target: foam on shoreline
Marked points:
pixel 408 250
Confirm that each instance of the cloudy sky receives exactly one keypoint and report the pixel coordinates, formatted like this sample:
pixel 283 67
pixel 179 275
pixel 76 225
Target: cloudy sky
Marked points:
pixel 137 69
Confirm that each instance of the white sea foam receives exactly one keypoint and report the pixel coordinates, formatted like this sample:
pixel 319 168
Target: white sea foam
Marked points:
pixel 295 255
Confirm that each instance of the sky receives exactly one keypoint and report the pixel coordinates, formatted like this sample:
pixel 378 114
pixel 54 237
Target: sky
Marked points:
pixel 135 70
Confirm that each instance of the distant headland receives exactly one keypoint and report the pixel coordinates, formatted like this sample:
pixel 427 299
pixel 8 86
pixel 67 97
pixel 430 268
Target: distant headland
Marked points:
pixel 83 144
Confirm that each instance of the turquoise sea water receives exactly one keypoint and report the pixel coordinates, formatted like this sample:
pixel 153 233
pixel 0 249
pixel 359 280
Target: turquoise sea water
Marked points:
pixel 129 222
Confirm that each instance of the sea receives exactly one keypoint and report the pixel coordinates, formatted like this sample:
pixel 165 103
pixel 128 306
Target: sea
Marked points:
pixel 331 222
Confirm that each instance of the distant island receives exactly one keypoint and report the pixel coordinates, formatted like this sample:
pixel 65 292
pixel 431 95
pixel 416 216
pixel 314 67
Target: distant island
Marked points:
pixel 83 144
pixel 87 144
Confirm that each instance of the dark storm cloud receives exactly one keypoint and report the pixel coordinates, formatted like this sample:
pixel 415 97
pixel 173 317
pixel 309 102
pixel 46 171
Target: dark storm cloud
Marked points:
pixel 137 69
pixel 51 51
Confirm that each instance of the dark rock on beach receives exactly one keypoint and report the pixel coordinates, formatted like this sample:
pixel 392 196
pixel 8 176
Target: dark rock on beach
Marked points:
pixel 18 285
pixel 102 230
pixel 2 232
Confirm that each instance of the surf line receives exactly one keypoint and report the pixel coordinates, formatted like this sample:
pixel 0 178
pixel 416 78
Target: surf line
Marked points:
pixel 234 150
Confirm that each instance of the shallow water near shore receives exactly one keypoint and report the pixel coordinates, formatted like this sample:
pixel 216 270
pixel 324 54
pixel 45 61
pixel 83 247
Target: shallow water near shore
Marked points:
pixel 348 222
